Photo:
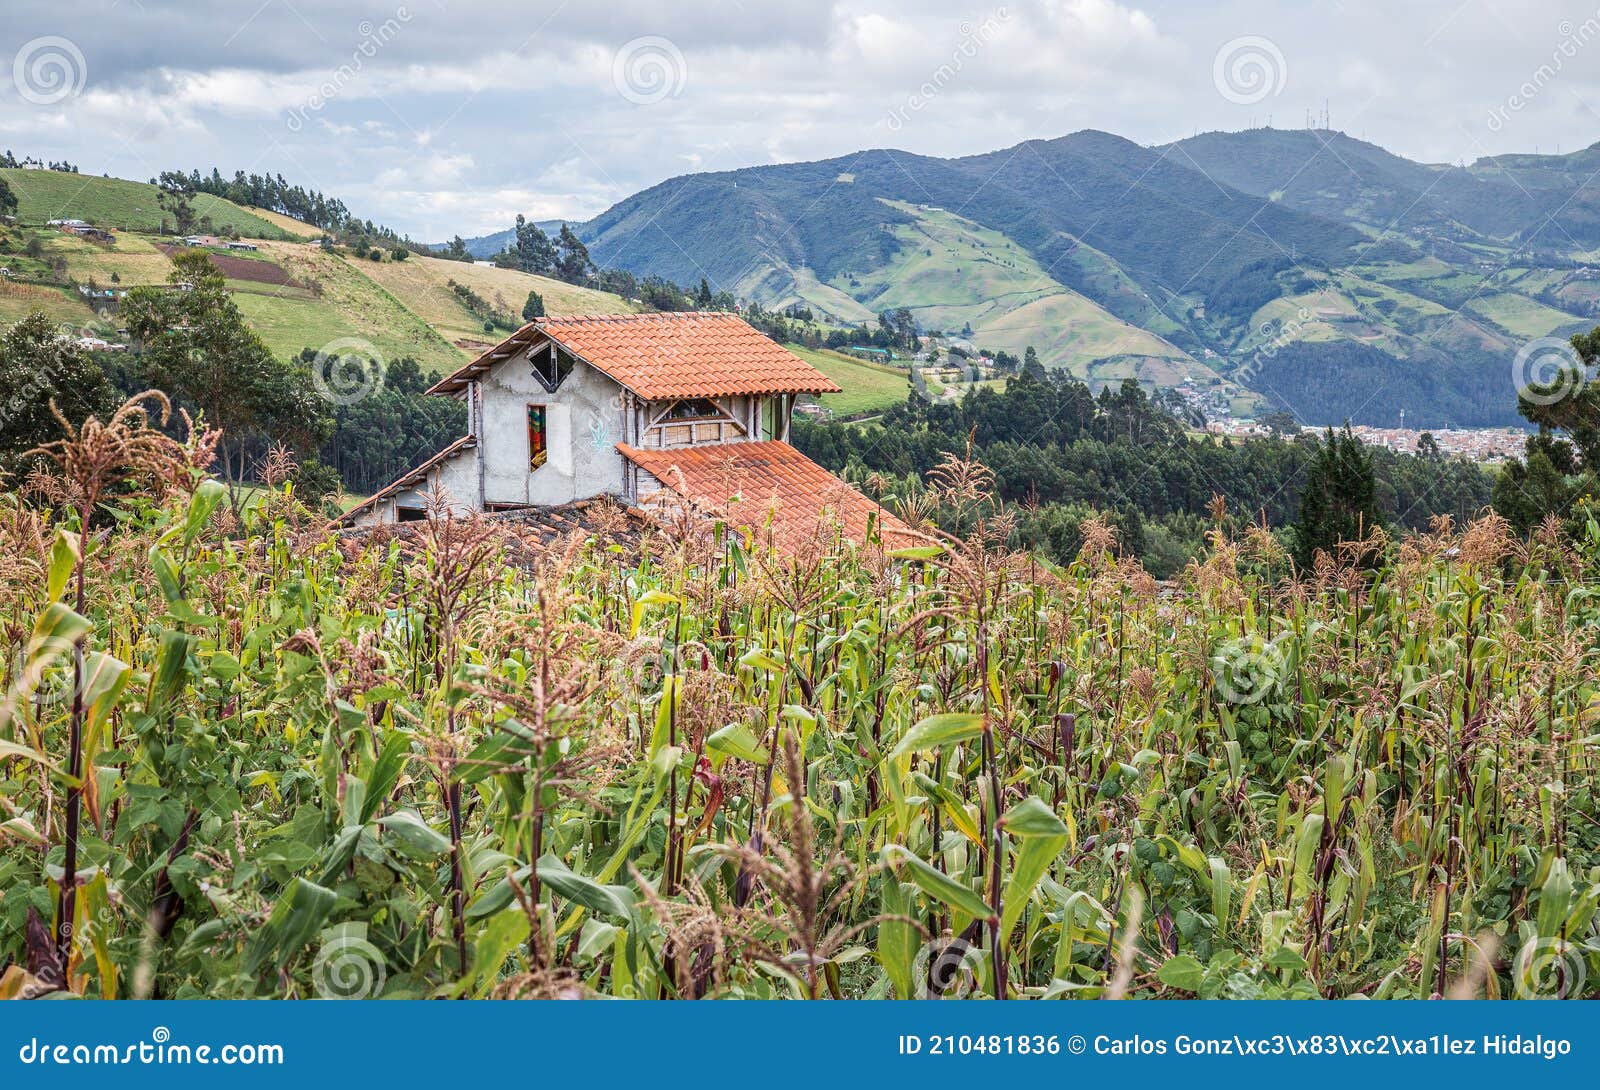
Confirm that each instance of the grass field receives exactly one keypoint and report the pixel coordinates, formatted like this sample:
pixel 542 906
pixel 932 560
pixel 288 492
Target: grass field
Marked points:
pixel 1524 317
pixel 288 224
pixel 868 387
pixel 349 303
pixel 17 301
pixel 134 259
pixel 952 273
pixel 424 284
pixel 49 194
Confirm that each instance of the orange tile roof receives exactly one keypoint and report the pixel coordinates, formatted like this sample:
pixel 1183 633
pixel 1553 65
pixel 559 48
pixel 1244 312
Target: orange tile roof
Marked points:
pixel 769 486
pixel 663 356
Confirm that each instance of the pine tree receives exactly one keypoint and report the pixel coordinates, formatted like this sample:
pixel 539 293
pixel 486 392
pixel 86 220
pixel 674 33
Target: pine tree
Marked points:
pixel 574 265
pixel 1339 501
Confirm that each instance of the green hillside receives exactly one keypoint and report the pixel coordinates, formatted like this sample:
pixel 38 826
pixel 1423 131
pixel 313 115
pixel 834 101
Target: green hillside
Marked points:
pixel 1176 265
pixel 44 195
pixel 298 295
pixel 868 387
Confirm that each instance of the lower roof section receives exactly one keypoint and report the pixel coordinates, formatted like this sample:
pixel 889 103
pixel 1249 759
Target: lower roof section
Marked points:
pixel 769 487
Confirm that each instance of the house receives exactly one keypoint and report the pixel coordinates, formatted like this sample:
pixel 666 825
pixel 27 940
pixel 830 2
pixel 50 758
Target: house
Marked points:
pixel 243 246
pixel 687 412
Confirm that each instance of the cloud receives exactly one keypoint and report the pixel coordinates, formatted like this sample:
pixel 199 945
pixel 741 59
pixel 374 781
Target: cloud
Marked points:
pixel 437 118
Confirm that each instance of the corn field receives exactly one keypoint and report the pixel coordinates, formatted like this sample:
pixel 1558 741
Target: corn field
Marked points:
pixel 679 765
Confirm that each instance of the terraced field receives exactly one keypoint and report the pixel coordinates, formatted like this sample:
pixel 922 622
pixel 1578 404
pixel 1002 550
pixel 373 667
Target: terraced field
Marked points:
pixel 868 387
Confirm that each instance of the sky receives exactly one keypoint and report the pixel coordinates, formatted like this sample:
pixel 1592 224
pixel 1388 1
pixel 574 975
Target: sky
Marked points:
pixel 441 117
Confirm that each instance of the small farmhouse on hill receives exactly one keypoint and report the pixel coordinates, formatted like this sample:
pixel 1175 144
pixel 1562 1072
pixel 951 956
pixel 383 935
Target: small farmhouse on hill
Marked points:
pixel 687 411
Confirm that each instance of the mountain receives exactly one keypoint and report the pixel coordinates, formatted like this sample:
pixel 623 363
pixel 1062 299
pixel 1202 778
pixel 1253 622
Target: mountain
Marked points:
pixel 484 247
pixel 1197 264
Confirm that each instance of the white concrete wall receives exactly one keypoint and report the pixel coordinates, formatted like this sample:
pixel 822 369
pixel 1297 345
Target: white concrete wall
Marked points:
pixel 584 423
pixel 456 480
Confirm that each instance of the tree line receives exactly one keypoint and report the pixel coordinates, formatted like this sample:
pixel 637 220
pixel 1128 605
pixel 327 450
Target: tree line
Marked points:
pixel 1059 451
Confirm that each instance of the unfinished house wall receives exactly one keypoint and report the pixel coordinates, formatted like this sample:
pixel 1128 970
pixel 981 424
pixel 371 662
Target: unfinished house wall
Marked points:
pixel 737 421
pixel 455 479
pixel 583 423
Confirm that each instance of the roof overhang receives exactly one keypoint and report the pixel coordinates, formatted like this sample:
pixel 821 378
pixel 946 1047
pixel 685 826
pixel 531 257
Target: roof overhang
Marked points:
pixel 535 334
pixel 410 477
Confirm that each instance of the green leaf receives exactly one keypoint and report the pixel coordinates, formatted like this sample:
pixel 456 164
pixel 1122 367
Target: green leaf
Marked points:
pixel 1182 972
pixel 939 730
pixel 757 659
pixel 414 835
pixel 936 884
pixel 737 740
pixel 647 601
pixel 917 552
pixel 1555 897
pixel 15 749
pixel 897 938
pixel 166 573
pixel 202 505
pixel 1033 817
pixel 1031 862
pixel 608 900
pixel 66 552
pixel 167 677
pixel 296 917
pixel 1286 957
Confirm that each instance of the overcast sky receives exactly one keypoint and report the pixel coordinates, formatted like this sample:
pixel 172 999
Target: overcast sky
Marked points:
pixel 446 116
